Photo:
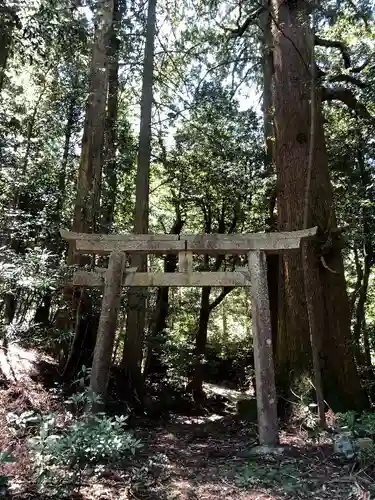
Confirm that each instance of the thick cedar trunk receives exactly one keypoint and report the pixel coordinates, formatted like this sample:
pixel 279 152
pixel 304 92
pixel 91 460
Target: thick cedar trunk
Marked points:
pixel 90 170
pixel 267 86
pixel 110 136
pixel 154 364
pixel 86 210
pixel 136 319
pixel 291 84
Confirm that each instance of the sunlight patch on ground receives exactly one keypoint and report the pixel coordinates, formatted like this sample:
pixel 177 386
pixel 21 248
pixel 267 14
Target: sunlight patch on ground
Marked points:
pixel 17 363
pixel 181 489
pixel 20 368
pixel 231 394
pixel 196 420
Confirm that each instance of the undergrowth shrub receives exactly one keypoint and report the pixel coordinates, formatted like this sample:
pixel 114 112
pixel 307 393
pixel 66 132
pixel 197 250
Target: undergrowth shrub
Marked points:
pixel 359 425
pixel 355 436
pixel 65 447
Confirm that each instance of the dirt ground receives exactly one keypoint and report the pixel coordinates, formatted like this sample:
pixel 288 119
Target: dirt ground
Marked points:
pixel 184 458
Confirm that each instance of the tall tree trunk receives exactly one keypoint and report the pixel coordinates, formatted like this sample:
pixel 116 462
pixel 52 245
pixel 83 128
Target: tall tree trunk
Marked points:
pixel 267 86
pixel 360 326
pixel 357 287
pixel 42 312
pixel 291 84
pixel 206 307
pixel 154 364
pixel 90 169
pixel 86 210
pixel 273 268
pixel 225 323
pixel 136 319
pixel 195 385
pixel 8 21
pixel 110 136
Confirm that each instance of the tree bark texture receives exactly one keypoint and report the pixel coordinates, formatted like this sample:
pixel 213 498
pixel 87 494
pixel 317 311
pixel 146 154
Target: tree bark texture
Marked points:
pixel 195 386
pixel 291 100
pixel 90 168
pixel 360 326
pixel 364 261
pixel 273 268
pixel 110 135
pixel 107 326
pixel 136 319
pixel 154 363
pixel 87 201
pixel 200 345
pixel 267 85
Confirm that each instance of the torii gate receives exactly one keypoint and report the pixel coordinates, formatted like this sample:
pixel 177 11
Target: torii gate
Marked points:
pixel 255 246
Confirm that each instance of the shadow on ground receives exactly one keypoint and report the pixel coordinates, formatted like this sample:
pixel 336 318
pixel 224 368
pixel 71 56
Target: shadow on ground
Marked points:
pixel 188 453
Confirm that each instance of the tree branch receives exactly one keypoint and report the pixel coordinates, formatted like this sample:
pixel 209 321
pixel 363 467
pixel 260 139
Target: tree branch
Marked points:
pixel 238 32
pixel 348 79
pixel 361 67
pixel 225 291
pixel 347 97
pixel 322 42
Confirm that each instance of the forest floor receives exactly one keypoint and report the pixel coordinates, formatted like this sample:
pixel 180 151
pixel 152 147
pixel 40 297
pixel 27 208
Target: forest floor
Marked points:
pixel 184 458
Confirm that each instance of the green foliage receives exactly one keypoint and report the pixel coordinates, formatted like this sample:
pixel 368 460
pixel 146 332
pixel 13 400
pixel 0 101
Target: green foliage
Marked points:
pixel 34 271
pixel 20 425
pixel 63 450
pixel 359 425
pixel 356 437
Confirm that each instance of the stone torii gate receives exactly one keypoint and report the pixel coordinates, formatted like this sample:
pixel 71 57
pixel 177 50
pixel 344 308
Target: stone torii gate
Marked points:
pixel 255 246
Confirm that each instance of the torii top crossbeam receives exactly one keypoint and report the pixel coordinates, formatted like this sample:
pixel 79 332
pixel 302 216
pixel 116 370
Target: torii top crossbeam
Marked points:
pixel 196 243
pixel 184 245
